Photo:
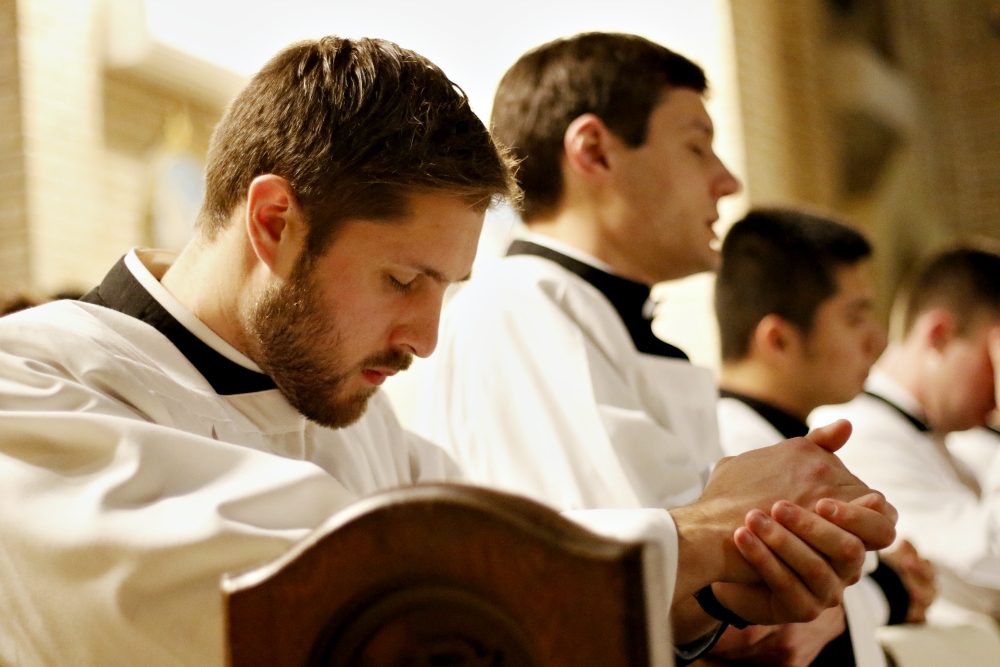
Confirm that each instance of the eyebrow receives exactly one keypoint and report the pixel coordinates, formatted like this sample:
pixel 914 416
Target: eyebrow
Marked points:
pixel 707 128
pixel 437 276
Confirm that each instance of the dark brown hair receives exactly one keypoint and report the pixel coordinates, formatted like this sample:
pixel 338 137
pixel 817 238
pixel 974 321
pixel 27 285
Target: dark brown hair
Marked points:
pixel 619 78
pixel 356 126
pixel 782 262
pixel 964 280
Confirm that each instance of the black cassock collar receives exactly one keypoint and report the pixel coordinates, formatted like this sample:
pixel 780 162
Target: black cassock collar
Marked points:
pixel 628 297
pixel 787 425
pixel 917 423
pixel 122 292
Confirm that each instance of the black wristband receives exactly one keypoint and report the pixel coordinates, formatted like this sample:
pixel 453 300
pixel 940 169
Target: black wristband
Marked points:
pixel 711 605
pixel 688 653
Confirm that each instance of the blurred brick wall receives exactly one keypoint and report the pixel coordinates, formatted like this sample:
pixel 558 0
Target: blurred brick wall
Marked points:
pixel 14 258
pixel 76 143
pixel 785 121
pixel 953 49
pixel 71 228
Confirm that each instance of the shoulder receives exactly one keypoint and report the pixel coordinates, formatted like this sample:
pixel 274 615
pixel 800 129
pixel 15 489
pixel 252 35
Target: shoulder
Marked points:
pixel 742 429
pixel 63 328
pixel 870 418
pixel 514 297
pixel 512 282
pixel 882 441
pixel 85 350
pixel 68 335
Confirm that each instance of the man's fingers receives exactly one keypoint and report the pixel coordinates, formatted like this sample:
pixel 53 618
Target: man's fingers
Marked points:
pixel 923 570
pixel 873 527
pixel 993 341
pixel 832 436
pixel 819 576
pixel 874 500
pixel 845 551
pixel 993 344
pixel 790 594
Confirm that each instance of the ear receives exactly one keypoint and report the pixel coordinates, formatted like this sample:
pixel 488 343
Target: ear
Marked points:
pixel 775 339
pixel 937 327
pixel 585 144
pixel 275 224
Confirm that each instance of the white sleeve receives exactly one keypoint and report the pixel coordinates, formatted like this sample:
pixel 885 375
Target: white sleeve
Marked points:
pixel 656 528
pixel 116 530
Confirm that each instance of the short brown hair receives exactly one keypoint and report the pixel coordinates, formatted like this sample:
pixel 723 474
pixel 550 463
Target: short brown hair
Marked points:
pixel 964 280
pixel 782 262
pixel 356 126
pixel 619 78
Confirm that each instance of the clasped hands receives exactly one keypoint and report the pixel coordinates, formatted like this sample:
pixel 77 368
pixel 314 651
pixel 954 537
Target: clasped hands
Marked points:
pixel 803 540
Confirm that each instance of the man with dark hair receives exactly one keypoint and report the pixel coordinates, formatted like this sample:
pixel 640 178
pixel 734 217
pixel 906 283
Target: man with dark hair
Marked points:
pixel 938 375
pixel 197 415
pixel 553 384
pixel 787 263
pixel 794 302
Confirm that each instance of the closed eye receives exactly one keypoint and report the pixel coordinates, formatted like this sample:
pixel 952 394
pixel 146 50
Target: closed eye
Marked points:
pixel 400 286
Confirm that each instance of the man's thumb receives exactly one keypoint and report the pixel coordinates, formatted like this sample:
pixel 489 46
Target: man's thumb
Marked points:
pixel 832 436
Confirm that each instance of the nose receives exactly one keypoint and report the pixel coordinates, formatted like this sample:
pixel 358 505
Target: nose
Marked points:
pixel 877 340
pixel 417 331
pixel 726 183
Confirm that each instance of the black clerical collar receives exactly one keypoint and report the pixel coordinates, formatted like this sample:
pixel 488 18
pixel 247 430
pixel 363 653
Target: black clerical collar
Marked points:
pixel 917 423
pixel 122 292
pixel 628 297
pixel 787 425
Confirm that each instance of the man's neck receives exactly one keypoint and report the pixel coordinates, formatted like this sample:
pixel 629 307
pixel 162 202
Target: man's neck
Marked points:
pixel 583 231
pixel 900 363
pixel 209 279
pixel 747 379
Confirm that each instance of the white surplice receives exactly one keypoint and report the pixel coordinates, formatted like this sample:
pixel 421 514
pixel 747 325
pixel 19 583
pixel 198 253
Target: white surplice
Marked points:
pixel 742 429
pixel 940 509
pixel 133 475
pixel 545 394
pixel 978 449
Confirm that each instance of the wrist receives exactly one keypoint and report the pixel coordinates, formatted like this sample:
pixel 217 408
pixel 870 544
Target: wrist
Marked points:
pixel 702 545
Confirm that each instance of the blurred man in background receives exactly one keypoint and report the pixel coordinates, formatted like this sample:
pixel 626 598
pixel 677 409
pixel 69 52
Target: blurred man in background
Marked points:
pixel 937 376
pixel 795 304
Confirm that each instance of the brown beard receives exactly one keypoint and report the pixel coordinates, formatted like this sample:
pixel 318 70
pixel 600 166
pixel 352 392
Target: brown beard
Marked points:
pixel 298 346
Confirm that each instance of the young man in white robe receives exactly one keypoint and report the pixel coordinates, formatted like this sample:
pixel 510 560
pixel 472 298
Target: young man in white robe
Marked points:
pixel 549 381
pixel 938 376
pixel 794 301
pixel 197 414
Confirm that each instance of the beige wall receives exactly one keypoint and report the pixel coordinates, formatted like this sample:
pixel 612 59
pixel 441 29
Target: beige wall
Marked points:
pixel 953 49
pixel 783 100
pixel 76 184
pixel 14 258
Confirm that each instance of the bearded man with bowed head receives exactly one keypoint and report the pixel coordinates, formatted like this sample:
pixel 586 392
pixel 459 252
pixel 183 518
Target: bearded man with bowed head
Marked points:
pixel 197 414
